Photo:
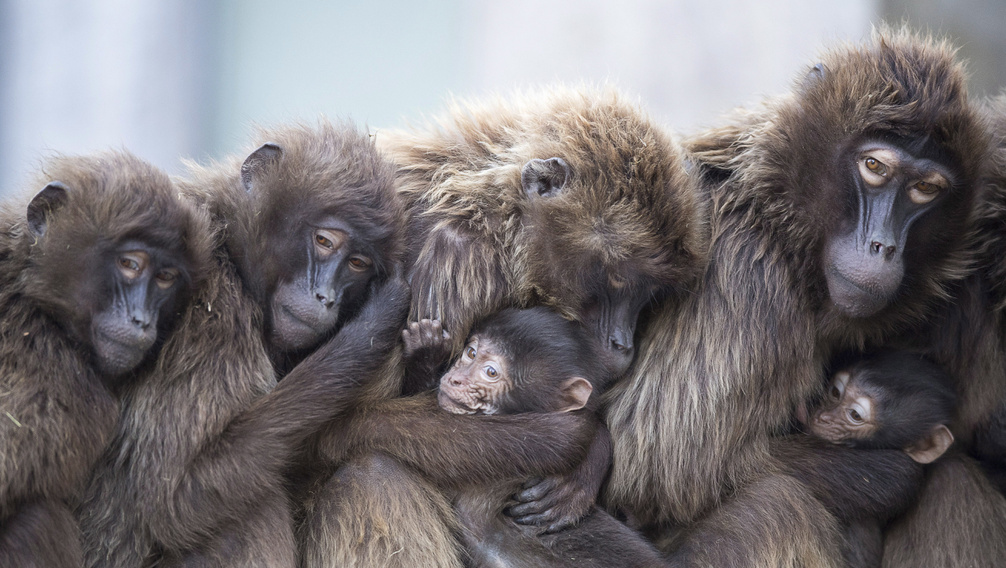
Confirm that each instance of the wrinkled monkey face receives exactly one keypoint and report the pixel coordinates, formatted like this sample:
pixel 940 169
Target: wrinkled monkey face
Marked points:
pixel 332 274
pixel 891 188
pixel 477 382
pixel 141 283
pixel 847 414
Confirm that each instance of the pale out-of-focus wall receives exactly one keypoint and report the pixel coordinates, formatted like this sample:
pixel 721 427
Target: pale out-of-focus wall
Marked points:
pixel 187 78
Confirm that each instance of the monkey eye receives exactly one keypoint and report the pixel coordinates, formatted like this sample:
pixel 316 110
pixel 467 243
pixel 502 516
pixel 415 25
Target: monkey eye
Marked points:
pixel 360 263
pixel 132 264
pixel 166 278
pixel 328 241
pixel 873 171
pixel 857 414
pixel 324 241
pixel 837 388
pixel 923 192
pixel 470 352
pixel 492 373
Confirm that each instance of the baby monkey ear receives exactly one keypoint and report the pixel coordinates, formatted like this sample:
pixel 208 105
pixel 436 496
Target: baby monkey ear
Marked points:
pixel 574 393
pixel 932 445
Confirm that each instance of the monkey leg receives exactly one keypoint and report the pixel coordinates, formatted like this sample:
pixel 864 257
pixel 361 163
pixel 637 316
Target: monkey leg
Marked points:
pixel 958 520
pixel 262 539
pixel 374 511
pixel 772 521
pixel 43 534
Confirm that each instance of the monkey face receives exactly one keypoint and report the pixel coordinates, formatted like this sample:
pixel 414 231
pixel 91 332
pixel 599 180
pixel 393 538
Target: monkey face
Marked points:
pixel 848 413
pixel 331 275
pixel 890 188
pixel 477 382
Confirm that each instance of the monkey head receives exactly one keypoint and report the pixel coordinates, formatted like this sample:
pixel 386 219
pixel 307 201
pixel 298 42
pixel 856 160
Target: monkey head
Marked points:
pixel 874 160
pixel 520 361
pixel 893 401
pixel 327 223
pixel 114 253
pixel 611 219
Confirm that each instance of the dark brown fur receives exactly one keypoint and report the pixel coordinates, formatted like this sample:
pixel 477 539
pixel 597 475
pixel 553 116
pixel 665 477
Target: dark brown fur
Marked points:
pixel 195 472
pixel 721 372
pixel 57 412
pixel 628 222
pixel 960 517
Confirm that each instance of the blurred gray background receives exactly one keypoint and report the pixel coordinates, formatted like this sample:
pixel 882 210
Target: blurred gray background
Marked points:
pixel 187 78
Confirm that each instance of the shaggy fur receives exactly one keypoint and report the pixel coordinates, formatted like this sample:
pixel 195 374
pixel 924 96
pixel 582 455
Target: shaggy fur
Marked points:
pixel 57 413
pixel 628 219
pixel 627 222
pixel 195 472
pixel 721 372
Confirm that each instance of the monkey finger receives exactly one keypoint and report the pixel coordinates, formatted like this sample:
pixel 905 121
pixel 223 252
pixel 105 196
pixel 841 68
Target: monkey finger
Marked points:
pixel 546 517
pixel 537 492
pixel 532 482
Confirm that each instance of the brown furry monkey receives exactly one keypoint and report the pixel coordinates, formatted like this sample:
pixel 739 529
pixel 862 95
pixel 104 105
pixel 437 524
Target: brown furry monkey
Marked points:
pixel 838 217
pixel 568 198
pixel 305 227
pixel 92 272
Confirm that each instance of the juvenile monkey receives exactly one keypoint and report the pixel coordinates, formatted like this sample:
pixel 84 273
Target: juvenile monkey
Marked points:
pixel 525 361
pixel 895 402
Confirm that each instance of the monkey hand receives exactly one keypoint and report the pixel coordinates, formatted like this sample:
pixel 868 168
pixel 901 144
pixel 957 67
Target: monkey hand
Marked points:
pixel 426 339
pixel 559 501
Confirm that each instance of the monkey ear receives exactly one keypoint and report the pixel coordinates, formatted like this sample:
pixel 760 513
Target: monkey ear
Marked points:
pixel 266 155
pixel 43 204
pixel 816 74
pixel 574 391
pixel 544 178
pixel 932 446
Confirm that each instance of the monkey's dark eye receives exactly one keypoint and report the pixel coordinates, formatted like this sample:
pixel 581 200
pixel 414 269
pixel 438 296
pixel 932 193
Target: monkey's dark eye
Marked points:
pixel 323 241
pixel 470 352
pixel 131 264
pixel 166 278
pixel 873 171
pixel 855 416
pixel 360 263
pixel 923 192
pixel 492 373
pixel 836 392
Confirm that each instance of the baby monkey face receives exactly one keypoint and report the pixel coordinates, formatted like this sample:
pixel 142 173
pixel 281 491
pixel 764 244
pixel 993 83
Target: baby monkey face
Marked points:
pixel 478 380
pixel 848 412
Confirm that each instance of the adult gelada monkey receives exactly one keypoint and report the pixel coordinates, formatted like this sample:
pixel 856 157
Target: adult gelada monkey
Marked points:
pixel 92 272
pixel 838 215
pixel 305 225
pixel 890 408
pixel 568 198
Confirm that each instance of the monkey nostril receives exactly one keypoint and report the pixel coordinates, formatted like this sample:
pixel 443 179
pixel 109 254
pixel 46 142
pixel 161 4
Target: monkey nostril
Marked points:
pixel 323 299
pixel 889 252
pixel 875 247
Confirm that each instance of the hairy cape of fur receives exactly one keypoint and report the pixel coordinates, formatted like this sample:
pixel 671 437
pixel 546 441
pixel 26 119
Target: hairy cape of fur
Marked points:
pixel 718 374
pixel 627 217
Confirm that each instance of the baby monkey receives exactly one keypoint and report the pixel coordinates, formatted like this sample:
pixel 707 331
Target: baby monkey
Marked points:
pixel 877 410
pixel 891 401
pixel 521 361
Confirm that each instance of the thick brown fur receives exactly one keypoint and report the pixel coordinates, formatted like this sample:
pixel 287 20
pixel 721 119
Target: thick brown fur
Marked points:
pixel 57 412
pixel 721 372
pixel 628 217
pixel 195 472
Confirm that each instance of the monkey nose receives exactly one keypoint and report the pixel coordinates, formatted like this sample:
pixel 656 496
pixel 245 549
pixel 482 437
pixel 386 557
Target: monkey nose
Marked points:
pixel 877 247
pixel 141 321
pixel 325 299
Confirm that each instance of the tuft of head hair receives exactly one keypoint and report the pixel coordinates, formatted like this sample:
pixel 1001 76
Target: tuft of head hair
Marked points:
pixel 542 350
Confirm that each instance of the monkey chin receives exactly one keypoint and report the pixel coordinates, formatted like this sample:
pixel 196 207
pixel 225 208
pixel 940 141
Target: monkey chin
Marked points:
pixel 450 405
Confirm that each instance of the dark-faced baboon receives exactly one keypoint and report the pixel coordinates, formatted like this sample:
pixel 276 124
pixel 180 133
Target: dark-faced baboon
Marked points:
pixel 566 198
pixel 90 282
pixel 305 226
pixel 838 215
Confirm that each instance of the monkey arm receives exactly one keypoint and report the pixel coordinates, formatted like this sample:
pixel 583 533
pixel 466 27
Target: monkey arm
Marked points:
pixel 559 501
pixel 216 459
pixel 459 451
pixel 852 484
